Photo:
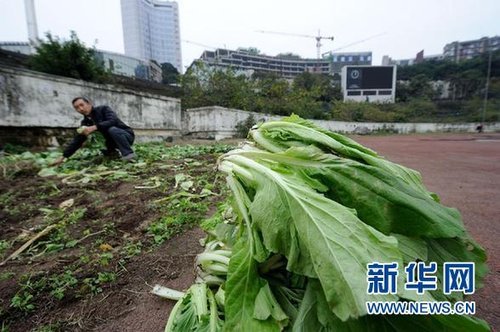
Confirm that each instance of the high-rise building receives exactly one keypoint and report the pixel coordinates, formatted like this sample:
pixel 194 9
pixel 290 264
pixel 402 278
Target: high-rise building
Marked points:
pixel 151 31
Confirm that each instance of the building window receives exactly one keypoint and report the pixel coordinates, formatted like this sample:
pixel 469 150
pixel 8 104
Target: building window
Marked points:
pixel 350 58
pixel 342 58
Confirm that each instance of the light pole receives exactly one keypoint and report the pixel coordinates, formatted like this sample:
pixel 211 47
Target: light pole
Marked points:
pixel 485 101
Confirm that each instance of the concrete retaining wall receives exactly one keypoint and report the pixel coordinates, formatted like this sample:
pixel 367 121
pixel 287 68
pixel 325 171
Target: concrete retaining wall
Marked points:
pixel 33 99
pixel 218 122
pixel 402 128
pixel 40 104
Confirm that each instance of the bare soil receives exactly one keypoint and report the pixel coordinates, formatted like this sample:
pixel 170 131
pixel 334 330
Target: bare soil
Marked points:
pixel 464 170
pixel 119 214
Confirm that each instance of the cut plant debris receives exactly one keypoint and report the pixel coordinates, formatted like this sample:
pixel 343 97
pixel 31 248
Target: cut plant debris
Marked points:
pixel 77 235
pixel 310 210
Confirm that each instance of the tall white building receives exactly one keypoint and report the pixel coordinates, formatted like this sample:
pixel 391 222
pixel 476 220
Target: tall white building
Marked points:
pixel 151 31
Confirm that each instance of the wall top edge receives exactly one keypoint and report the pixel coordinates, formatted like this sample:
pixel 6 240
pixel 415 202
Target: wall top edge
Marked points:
pixel 74 81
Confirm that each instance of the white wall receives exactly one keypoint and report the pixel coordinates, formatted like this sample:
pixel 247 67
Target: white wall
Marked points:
pixel 30 99
pixel 401 128
pixel 33 99
pixel 218 122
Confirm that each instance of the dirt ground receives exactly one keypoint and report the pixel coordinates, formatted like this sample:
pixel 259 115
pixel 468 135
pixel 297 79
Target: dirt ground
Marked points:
pixel 119 215
pixel 464 170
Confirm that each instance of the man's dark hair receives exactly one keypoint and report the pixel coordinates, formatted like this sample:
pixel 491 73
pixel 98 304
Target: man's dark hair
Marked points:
pixel 85 99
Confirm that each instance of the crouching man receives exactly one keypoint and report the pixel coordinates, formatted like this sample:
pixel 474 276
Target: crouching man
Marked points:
pixel 102 118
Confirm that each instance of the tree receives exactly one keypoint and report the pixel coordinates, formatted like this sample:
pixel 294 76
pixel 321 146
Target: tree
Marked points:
pixel 170 74
pixel 467 77
pixel 193 84
pixel 70 58
pixel 313 95
pixel 271 94
pixel 228 89
pixel 205 86
pixel 420 86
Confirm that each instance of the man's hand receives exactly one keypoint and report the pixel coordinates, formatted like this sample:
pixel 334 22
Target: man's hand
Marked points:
pixel 58 161
pixel 89 130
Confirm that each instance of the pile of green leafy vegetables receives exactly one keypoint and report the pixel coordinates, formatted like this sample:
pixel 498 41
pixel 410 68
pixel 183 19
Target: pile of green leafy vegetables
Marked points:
pixel 310 209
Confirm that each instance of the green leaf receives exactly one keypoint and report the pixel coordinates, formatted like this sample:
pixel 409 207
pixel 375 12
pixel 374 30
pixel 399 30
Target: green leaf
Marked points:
pixel 179 178
pixel 186 185
pixel 320 238
pixel 242 287
pixel 307 317
pixel 266 306
pixel 314 317
pixel 326 207
pixel 381 199
pixel 277 136
pixel 456 250
pixel 195 311
pixel 419 323
pixel 412 249
pixel 45 172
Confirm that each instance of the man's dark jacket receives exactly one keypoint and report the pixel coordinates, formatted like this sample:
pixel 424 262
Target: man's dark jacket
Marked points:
pixel 104 118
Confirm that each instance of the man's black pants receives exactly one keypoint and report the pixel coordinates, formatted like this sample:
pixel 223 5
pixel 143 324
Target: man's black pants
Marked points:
pixel 121 139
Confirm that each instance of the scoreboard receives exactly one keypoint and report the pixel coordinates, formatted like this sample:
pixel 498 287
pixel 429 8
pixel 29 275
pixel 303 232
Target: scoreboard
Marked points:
pixel 369 83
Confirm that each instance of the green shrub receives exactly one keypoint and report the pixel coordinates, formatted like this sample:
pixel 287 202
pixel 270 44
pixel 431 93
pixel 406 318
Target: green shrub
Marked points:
pixel 243 127
pixel 70 58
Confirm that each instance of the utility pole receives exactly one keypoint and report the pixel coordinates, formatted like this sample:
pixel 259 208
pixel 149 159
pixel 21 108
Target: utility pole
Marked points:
pixel 485 102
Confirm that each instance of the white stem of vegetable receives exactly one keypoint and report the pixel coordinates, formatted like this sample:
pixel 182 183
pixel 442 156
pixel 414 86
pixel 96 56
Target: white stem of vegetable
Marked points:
pixel 167 293
pixel 208 257
pixel 216 268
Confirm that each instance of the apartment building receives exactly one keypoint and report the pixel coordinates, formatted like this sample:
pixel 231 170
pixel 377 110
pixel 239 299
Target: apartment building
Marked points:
pixel 458 51
pixel 388 61
pixel 282 66
pixel 339 60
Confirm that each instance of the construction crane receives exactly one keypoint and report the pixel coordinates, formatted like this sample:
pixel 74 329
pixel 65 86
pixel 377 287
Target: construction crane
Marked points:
pixel 199 44
pixel 354 43
pixel 318 38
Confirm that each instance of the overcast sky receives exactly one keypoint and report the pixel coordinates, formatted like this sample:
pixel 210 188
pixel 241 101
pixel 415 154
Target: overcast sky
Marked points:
pixel 404 27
